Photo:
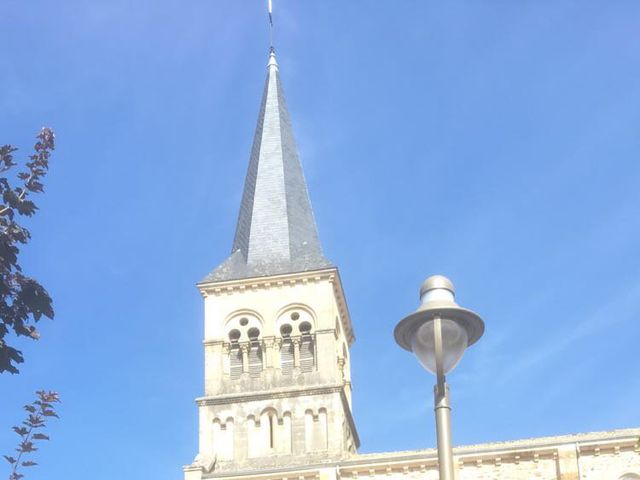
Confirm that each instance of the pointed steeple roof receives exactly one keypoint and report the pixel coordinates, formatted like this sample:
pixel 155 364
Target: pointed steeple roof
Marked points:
pixel 276 232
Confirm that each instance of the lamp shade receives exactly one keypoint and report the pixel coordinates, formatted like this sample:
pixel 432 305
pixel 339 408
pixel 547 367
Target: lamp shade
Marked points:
pixel 454 343
pixel 460 327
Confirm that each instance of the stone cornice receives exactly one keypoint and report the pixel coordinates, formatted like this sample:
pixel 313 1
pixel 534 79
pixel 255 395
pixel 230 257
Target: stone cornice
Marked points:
pixel 271 394
pixel 342 306
pixel 297 472
pixel 273 281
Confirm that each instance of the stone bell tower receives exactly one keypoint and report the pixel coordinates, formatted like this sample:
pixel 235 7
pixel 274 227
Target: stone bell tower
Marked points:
pixel 277 328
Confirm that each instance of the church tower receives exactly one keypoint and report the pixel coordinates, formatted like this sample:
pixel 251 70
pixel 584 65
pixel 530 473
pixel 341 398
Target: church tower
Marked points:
pixel 277 387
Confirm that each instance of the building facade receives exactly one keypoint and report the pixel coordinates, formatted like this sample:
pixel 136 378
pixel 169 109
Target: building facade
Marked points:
pixel 277 393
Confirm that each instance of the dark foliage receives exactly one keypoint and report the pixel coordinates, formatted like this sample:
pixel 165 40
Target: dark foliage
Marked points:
pixel 30 431
pixel 23 301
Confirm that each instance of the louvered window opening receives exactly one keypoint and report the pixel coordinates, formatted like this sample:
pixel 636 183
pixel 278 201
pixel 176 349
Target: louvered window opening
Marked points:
pixel 235 357
pixel 286 357
pixel 307 353
pixel 255 360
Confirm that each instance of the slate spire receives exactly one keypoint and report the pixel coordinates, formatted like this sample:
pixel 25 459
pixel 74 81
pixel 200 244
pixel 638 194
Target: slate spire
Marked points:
pixel 276 232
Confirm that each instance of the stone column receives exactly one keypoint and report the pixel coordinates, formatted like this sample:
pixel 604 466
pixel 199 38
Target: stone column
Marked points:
pixel 567 463
pixel 296 352
pixel 268 346
pixel 245 357
pixel 277 362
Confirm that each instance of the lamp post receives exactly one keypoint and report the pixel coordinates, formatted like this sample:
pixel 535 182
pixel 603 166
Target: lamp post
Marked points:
pixel 438 334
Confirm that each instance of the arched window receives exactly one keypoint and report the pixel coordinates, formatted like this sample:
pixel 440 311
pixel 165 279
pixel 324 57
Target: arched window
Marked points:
pixel 307 347
pixel 268 432
pixel 245 348
pixel 255 359
pixel 297 351
pixel 315 430
pixel 630 476
pixel 286 356
pixel 272 431
pixel 223 439
pixel 235 361
pixel 307 353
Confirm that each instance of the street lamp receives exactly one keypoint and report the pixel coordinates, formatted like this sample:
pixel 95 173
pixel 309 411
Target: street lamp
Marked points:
pixel 438 334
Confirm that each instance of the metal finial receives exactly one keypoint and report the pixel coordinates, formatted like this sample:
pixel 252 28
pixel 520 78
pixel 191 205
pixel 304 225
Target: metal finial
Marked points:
pixel 436 282
pixel 270 6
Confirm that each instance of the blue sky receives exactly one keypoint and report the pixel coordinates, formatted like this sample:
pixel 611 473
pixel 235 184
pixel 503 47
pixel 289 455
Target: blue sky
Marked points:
pixel 495 142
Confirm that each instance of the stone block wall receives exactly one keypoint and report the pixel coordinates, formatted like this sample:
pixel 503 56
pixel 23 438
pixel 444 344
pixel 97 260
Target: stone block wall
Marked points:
pixel 596 456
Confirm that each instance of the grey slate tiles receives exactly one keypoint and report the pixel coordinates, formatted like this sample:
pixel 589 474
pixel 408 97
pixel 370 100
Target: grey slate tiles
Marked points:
pixel 276 232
